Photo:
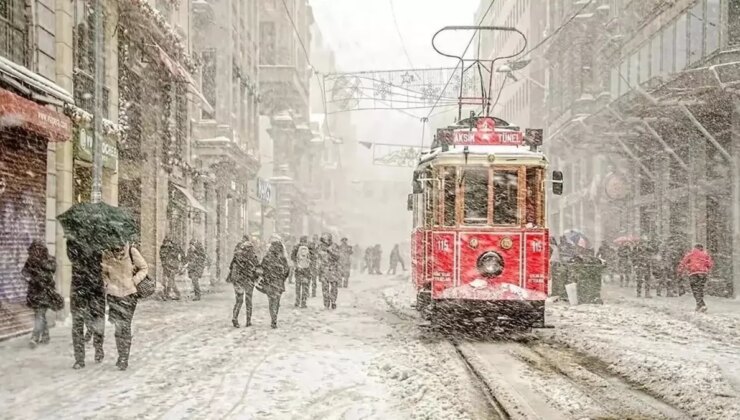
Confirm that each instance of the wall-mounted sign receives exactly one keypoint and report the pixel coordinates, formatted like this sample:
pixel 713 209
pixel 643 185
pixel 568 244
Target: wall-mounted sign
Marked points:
pixel 615 187
pixel 85 145
pixel 264 190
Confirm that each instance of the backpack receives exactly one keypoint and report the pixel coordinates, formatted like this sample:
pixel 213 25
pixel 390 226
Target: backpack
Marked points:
pixel 303 259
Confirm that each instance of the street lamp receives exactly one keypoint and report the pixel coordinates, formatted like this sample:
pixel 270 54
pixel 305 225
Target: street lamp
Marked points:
pixel 508 70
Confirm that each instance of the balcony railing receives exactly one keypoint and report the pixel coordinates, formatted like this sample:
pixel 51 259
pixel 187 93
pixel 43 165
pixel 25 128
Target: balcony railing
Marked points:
pixel 84 92
pixel 13 42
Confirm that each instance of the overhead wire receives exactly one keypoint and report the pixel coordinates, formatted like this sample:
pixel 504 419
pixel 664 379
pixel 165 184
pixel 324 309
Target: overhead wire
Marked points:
pixel 398 31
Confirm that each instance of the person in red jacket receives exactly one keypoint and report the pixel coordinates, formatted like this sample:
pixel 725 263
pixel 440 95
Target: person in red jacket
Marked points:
pixel 696 264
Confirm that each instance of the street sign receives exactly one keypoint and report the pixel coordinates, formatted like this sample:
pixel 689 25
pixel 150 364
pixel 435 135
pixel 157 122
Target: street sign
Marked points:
pixel 264 191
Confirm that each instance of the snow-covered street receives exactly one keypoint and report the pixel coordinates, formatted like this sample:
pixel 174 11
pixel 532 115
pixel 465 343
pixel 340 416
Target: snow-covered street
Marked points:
pixel 360 361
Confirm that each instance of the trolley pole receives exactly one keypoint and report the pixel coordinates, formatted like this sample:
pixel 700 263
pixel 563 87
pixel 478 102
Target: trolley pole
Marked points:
pixel 97 143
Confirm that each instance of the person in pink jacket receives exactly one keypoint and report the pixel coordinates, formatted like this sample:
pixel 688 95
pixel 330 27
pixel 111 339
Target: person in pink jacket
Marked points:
pixel 697 264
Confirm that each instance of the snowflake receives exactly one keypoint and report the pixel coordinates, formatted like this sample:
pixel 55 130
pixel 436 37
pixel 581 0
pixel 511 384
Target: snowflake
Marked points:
pixel 382 89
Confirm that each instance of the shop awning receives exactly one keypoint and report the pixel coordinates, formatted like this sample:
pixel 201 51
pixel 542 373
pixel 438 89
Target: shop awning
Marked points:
pixel 177 70
pixel 192 201
pixel 38 87
pixel 19 111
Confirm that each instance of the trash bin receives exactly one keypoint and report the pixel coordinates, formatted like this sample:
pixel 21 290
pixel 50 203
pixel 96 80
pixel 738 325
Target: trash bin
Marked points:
pixel 588 278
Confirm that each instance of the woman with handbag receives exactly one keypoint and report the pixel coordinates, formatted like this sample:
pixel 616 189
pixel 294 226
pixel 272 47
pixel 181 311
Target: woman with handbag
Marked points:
pixel 123 270
pixel 275 271
pixel 39 273
pixel 243 275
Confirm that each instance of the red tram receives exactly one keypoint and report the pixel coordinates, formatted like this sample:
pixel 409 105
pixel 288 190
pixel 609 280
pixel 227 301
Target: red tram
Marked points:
pixel 480 243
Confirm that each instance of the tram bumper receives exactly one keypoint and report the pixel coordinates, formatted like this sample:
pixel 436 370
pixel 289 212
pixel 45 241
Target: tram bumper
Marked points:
pixel 500 303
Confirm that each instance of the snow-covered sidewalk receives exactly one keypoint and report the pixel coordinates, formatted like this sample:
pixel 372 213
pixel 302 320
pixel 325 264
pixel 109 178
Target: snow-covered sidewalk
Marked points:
pixel 187 361
pixel 688 359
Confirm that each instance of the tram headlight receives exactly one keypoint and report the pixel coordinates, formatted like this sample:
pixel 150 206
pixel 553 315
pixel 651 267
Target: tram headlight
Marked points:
pixel 490 264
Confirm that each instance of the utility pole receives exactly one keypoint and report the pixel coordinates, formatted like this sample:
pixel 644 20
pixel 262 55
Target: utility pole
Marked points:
pixel 97 143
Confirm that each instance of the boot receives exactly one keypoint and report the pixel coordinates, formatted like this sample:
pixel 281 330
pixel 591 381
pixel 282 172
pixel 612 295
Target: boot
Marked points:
pixel 78 365
pixel 99 355
pixel 235 322
pixel 123 344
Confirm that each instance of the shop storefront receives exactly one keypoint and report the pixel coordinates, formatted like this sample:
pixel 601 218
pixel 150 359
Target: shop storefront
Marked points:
pixel 26 129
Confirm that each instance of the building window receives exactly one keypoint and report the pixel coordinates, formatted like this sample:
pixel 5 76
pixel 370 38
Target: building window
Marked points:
pixel 655 55
pixel 645 63
pixel 712 29
pixel 267 43
pixel 623 78
pixel 696 32
pixel 733 19
pixel 669 37
pixel 634 70
pixel 681 50
pixel 614 82
pixel 13 31
pixel 84 59
pixel 208 82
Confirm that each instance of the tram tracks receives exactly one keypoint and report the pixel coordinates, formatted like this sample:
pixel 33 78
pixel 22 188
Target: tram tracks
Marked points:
pixel 531 377
pixel 483 386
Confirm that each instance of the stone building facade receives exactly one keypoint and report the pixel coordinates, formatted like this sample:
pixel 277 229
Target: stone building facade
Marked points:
pixel 643 117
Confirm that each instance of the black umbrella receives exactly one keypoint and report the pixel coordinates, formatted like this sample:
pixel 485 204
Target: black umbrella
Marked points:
pixel 99 225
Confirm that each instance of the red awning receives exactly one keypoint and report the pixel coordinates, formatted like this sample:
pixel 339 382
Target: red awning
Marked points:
pixel 16 111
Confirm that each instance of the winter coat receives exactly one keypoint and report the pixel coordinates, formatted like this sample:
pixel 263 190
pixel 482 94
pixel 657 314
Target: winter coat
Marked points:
pixel 329 262
pixel 169 255
pixel 395 256
pixel 345 256
pixel 39 272
pixel 275 270
pixel 696 261
pixel 243 269
pixel 196 260
pixel 87 276
pixel 123 271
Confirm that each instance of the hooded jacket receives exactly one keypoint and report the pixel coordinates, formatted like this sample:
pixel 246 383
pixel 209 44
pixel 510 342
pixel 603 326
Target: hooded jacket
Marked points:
pixel 696 261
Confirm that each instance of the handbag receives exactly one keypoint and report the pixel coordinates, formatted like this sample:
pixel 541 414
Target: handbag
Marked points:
pixel 260 285
pixel 147 286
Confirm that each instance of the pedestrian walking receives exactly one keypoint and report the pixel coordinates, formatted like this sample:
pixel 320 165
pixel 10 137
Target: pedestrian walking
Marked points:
pixel 356 257
pixel 345 262
pixel 301 257
pixel 329 271
pixel 641 255
pixel 170 255
pixel 624 258
pixel 368 260
pixel 697 264
pixel 607 255
pixel 275 272
pixel 196 261
pixel 39 273
pixel 243 274
pixel 395 259
pixel 313 248
pixel 377 257
pixel 87 299
pixel 123 269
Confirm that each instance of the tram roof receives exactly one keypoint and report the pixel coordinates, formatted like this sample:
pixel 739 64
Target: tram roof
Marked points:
pixel 487 155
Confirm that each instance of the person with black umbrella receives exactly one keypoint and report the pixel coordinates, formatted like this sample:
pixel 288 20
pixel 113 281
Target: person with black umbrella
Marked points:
pixel 91 228
pixel 275 271
pixel 87 299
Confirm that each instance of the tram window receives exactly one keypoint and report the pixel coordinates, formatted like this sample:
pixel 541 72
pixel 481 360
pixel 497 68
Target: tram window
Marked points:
pixel 505 187
pixel 449 198
pixel 475 182
pixel 534 197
